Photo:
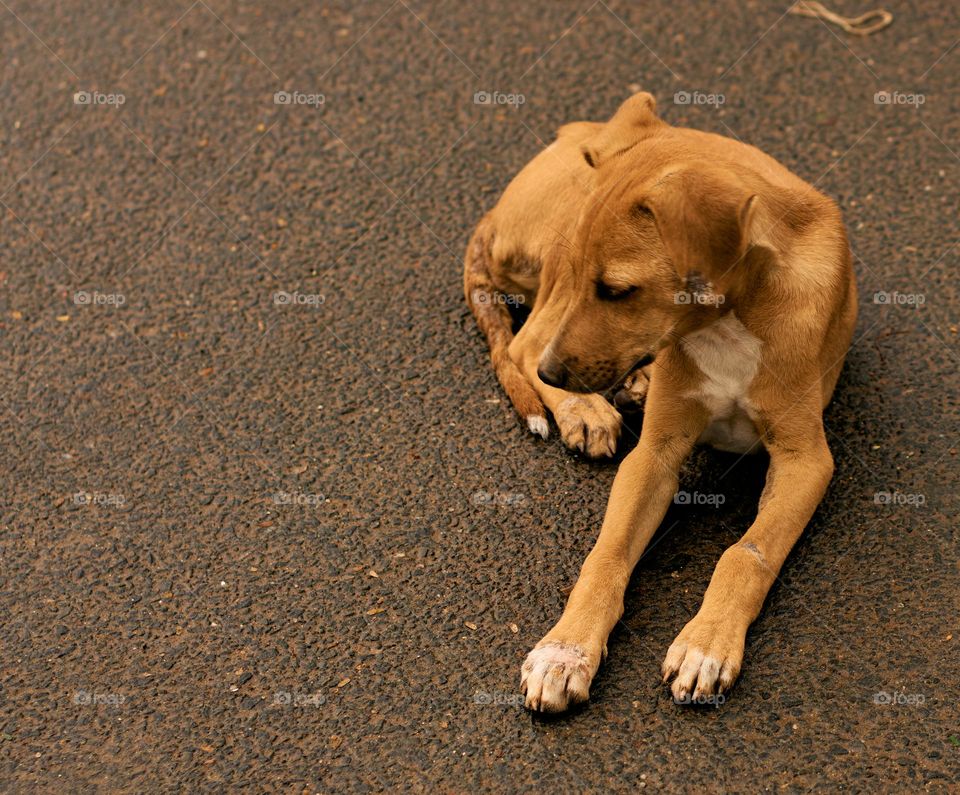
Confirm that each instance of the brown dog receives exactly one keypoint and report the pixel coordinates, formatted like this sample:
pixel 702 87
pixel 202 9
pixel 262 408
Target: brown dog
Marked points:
pixel 728 280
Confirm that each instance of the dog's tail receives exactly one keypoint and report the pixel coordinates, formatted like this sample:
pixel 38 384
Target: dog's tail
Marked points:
pixel 495 322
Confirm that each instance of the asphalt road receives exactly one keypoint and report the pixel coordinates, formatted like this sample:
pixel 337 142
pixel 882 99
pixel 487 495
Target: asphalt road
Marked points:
pixel 267 518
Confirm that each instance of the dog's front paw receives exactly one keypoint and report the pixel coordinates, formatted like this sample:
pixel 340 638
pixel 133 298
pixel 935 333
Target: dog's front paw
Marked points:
pixel 705 658
pixel 589 424
pixel 557 675
pixel 633 392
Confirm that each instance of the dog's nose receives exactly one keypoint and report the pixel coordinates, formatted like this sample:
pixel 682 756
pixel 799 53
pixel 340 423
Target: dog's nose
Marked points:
pixel 552 372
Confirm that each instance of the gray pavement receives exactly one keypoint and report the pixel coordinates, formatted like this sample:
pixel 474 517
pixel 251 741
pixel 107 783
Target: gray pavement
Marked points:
pixel 247 413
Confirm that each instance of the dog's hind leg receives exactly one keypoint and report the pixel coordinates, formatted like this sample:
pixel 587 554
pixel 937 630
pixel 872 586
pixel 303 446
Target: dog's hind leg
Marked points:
pixel 496 323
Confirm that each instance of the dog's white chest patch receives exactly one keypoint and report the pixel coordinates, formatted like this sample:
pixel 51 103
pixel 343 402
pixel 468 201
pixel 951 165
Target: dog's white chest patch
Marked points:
pixel 728 356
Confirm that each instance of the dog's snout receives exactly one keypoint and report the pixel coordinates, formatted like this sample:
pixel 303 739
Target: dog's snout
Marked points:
pixel 552 371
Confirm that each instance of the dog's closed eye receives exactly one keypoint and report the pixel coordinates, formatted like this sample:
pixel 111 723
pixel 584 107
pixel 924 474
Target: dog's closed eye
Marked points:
pixel 607 292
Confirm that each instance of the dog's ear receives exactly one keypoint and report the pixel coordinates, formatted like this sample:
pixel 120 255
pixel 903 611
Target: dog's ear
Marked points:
pixel 627 126
pixel 705 219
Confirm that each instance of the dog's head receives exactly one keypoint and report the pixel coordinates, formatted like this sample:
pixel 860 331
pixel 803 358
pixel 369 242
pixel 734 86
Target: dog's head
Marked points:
pixel 658 253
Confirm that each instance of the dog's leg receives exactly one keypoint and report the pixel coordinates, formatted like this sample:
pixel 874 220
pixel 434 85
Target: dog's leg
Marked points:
pixel 558 672
pixel 707 654
pixel 482 294
pixel 587 422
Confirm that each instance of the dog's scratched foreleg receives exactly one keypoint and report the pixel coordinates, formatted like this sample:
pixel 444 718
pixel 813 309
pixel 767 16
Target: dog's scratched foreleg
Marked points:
pixel 706 657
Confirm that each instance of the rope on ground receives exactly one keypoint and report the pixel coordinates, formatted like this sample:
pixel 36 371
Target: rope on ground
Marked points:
pixel 863 25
